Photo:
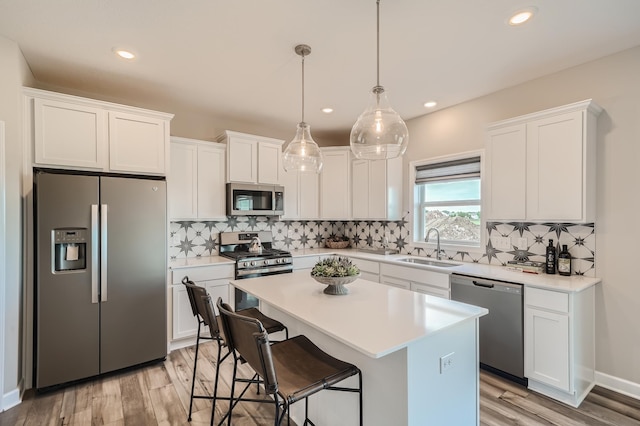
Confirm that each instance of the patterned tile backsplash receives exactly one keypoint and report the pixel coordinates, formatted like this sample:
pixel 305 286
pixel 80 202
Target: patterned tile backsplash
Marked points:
pixel 193 239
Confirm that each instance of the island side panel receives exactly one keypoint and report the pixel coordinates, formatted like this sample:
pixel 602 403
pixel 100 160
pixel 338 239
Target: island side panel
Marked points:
pixel 448 394
pixel 384 382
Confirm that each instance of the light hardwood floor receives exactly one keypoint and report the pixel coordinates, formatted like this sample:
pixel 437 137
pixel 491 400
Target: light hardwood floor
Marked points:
pixel 159 395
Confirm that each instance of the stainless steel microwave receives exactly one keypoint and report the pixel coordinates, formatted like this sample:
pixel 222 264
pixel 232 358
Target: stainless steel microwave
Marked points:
pixel 254 200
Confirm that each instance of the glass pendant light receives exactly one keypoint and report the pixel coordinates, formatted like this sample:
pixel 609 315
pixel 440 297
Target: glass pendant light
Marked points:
pixel 302 153
pixel 379 133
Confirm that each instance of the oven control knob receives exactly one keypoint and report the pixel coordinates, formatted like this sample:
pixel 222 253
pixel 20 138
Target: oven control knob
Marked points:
pixel 278 260
pixel 266 262
pixel 253 263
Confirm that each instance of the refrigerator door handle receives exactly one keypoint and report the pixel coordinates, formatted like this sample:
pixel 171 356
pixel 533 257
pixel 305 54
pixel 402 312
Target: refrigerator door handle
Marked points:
pixel 103 252
pixel 94 253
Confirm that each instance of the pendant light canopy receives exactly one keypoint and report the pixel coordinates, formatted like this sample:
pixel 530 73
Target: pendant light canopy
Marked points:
pixel 379 133
pixel 302 153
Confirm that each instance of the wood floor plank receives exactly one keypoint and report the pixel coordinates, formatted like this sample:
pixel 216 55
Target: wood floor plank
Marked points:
pixel 136 403
pixel 607 415
pixel 560 415
pixel 180 370
pixel 616 402
pixel 167 407
pixel 510 412
pixel 46 411
pixel 503 384
pixel 156 376
pixel 106 407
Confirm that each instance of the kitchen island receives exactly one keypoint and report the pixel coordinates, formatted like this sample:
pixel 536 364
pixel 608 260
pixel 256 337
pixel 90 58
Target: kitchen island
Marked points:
pixel 418 354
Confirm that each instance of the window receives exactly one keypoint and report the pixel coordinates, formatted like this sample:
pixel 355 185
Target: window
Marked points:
pixel 447 197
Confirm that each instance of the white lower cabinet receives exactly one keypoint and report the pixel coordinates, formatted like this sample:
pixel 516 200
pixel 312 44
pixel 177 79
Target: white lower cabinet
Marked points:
pixel 214 278
pixel 369 270
pixel 304 263
pixel 416 279
pixel 559 354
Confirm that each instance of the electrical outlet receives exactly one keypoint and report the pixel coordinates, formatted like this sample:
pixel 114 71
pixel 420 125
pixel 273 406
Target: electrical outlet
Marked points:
pixel 446 362
pixel 502 243
pixel 521 243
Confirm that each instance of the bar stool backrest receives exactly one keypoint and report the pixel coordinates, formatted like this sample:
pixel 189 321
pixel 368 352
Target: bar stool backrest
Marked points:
pixel 197 297
pixel 187 282
pixel 249 338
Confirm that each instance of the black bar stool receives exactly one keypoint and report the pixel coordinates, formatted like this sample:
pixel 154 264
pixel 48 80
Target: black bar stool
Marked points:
pixel 206 317
pixel 290 370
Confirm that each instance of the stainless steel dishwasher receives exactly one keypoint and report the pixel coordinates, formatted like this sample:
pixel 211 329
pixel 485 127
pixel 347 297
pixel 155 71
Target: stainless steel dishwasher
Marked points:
pixel 501 331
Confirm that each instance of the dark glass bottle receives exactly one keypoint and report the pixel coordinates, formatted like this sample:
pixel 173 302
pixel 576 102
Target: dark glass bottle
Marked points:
pixel 564 261
pixel 551 258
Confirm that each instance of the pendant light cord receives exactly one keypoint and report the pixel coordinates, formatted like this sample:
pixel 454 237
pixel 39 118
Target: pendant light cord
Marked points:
pixel 302 86
pixel 377 43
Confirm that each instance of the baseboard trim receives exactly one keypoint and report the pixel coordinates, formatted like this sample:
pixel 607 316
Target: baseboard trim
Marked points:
pixel 183 343
pixel 10 399
pixel 623 386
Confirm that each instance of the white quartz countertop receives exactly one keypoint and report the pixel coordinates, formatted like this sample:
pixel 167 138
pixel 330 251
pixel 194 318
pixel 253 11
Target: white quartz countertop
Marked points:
pixel 374 319
pixel 574 283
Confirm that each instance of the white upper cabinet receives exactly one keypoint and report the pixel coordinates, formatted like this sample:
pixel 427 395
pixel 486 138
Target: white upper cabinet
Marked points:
pixel 505 172
pixel 252 159
pixel 541 166
pixel 377 189
pixel 196 182
pixel 137 144
pixel 302 195
pixel 78 133
pixel 67 134
pixel 335 183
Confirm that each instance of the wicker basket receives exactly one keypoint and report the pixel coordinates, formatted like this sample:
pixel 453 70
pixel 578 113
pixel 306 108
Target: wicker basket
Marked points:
pixel 337 244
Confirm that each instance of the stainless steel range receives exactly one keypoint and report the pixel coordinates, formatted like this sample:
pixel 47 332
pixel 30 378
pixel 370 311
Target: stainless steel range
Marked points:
pixel 255 257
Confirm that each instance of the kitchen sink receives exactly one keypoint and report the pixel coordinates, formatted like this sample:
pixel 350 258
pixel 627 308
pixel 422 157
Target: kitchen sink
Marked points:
pixel 428 262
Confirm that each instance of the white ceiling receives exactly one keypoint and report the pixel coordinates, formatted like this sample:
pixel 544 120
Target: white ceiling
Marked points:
pixel 235 58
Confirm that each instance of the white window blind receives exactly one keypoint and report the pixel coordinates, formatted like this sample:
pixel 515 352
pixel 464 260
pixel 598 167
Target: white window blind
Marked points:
pixel 465 168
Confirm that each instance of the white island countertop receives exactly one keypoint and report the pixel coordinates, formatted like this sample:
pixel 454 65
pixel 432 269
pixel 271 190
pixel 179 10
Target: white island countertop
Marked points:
pixel 374 319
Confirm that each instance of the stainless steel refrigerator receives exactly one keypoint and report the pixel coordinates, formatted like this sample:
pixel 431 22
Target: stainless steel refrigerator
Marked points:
pixel 100 279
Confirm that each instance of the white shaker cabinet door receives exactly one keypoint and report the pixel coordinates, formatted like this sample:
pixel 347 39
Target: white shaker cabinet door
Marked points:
pixel 309 195
pixel 555 167
pixel 211 182
pixel 335 184
pixel 360 189
pixel 505 172
pixel 269 168
pixel 242 164
pixel 69 134
pixel 182 181
pixel 138 144
pixel 547 347
pixel 184 323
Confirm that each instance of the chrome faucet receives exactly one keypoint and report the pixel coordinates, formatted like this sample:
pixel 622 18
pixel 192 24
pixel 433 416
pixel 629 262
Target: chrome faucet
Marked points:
pixel 426 240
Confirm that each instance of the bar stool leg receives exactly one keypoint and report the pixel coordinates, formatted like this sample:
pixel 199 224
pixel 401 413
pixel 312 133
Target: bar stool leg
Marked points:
pixel 195 365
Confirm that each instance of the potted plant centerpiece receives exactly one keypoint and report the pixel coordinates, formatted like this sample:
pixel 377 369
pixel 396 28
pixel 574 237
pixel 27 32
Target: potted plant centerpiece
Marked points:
pixel 335 272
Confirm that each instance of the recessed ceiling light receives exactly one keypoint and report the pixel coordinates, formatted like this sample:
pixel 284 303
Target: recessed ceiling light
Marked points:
pixel 327 110
pixel 522 16
pixel 430 104
pixel 123 53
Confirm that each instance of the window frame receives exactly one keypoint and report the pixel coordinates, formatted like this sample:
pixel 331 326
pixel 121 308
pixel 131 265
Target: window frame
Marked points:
pixel 417 205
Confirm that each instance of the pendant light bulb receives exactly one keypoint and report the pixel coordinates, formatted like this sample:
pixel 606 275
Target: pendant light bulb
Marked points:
pixel 302 153
pixel 379 133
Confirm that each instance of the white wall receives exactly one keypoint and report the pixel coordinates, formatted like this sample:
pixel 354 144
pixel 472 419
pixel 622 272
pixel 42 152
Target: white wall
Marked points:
pixel 614 83
pixel 13 74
